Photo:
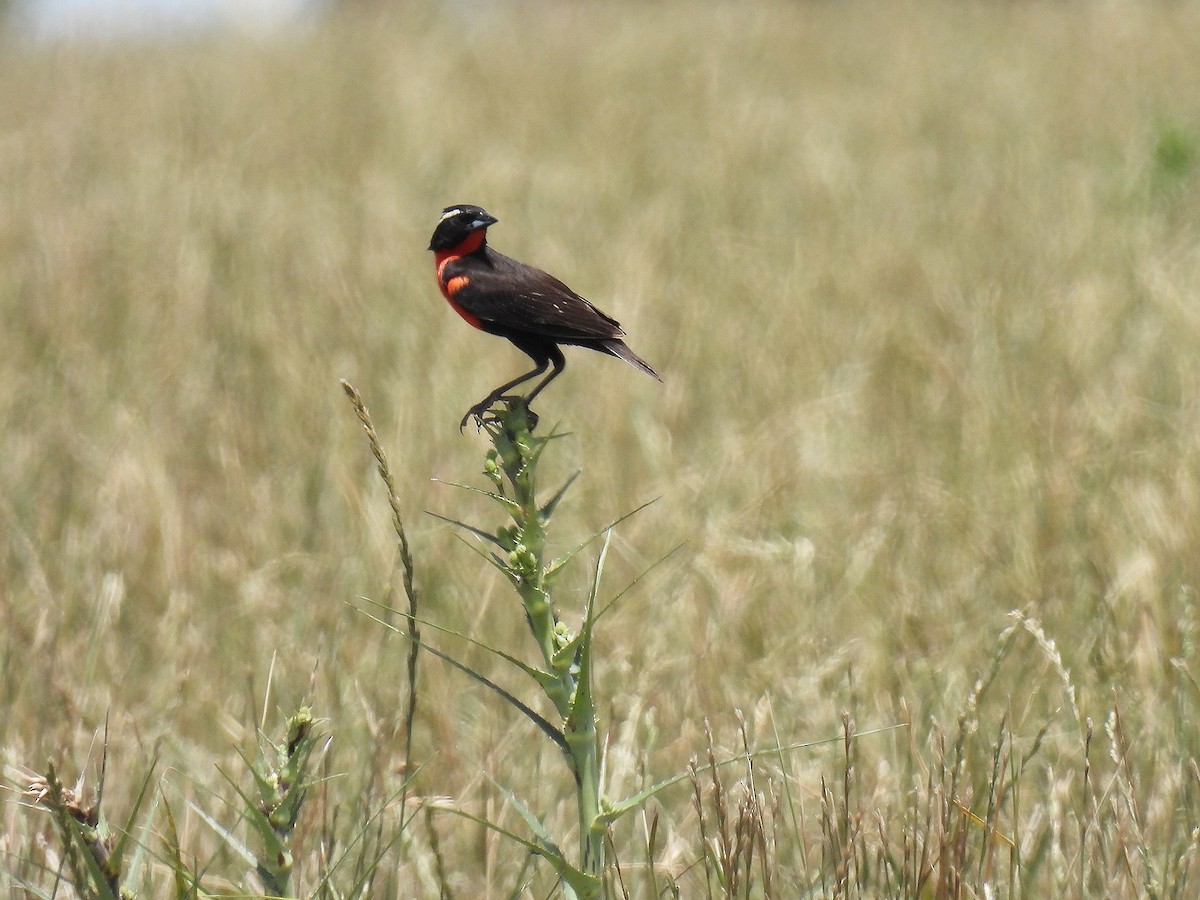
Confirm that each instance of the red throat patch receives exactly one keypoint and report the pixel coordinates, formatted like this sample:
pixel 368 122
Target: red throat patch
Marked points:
pixel 470 244
pixel 452 286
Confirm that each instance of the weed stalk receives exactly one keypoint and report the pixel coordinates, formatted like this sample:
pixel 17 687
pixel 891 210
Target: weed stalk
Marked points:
pixel 282 786
pixel 85 836
pixel 511 467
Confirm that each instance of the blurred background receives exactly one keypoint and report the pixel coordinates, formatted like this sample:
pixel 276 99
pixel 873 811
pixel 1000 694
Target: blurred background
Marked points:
pixel 107 19
pixel 921 279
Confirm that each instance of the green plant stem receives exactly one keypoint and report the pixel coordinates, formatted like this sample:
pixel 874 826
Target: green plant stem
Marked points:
pixel 512 467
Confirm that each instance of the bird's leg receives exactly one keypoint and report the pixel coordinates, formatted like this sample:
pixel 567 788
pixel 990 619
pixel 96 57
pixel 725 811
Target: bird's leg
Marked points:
pixel 560 362
pixel 480 408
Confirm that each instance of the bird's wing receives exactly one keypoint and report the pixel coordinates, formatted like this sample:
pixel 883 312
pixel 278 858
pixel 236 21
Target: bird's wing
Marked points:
pixel 503 292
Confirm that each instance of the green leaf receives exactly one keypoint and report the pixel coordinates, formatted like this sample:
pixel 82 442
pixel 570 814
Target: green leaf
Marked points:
pixel 545 680
pixel 583 707
pixel 272 846
pixel 582 883
pixel 511 505
pixel 186 884
pixel 118 850
pixel 531 820
pixel 550 505
pixel 226 835
pixel 478 532
pixel 544 726
pixel 614 811
pixel 563 560
pixel 95 872
pixel 266 789
pixel 625 590
pixel 491 558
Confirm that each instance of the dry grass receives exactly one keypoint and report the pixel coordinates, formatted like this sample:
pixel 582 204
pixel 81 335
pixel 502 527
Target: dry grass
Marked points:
pixel 921 280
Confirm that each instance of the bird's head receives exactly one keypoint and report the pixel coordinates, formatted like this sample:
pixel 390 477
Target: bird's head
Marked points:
pixel 458 223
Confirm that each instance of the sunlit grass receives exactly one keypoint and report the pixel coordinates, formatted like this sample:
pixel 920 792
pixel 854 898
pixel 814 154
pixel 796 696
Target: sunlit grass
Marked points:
pixel 921 280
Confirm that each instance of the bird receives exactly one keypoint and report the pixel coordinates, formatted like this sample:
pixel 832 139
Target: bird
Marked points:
pixel 532 309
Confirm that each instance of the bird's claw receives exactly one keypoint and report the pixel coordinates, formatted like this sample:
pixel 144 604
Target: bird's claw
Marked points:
pixel 483 415
pixel 477 413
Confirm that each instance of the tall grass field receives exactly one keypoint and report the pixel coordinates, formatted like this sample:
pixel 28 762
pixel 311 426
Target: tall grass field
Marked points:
pixel 914 613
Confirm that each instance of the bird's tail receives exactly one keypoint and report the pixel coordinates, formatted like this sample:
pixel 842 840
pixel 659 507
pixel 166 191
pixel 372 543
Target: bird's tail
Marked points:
pixel 618 348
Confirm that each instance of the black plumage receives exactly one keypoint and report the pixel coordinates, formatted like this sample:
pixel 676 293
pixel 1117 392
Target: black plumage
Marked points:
pixel 507 298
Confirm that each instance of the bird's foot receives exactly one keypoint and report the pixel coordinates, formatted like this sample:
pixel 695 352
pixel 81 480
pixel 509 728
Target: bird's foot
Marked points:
pixel 482 412
pixel 478 412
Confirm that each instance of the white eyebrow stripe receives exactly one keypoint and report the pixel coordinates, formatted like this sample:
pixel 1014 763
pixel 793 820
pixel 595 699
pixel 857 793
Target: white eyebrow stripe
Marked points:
pixel 450 212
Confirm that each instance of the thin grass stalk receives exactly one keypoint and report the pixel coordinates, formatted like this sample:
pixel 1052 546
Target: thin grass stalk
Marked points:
pixel 701 822
pixel 410 588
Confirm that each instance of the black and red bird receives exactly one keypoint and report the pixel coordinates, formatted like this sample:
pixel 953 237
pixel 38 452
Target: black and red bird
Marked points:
pixel 502 296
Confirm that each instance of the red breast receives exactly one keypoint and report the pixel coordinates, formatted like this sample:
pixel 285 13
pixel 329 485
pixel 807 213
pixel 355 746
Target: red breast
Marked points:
pixel 451 286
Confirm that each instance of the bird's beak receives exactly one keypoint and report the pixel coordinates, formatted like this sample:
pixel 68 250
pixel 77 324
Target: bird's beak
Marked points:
pixel 483 221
